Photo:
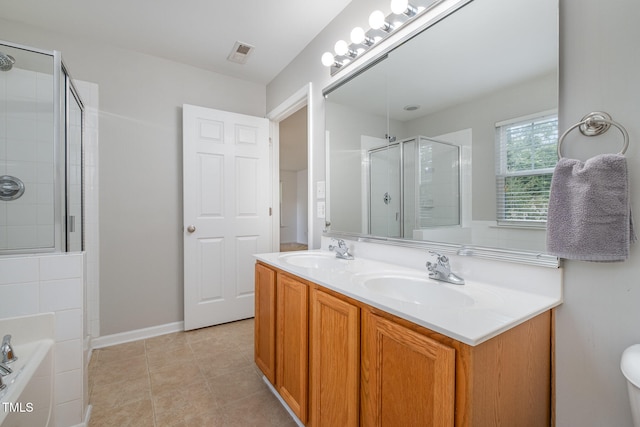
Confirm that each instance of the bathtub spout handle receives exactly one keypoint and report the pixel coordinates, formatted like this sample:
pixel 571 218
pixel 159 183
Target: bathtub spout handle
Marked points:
pixel 6 350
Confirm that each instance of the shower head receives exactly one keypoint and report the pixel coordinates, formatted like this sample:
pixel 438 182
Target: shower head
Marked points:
pixel 6 61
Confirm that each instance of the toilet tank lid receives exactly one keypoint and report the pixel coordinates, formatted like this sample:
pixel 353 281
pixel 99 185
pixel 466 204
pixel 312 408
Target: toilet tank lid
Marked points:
pixel 630 364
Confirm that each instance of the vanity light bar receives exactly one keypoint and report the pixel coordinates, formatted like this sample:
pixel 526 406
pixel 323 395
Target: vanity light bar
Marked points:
pixel 381 27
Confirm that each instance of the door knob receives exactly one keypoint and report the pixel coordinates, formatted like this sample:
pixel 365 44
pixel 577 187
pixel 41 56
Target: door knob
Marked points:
pixel 191 228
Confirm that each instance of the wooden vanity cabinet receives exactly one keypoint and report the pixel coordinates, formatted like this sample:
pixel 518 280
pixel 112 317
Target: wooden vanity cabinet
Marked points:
pixel 335 361
pixel 292 342
pixel 408 379
pixel 504 381
pixel 340 362
pixel 265 321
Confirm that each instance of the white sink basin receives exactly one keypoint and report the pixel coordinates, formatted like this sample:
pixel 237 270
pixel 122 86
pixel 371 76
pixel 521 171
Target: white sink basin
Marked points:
pixel 319 260
pixel 414 288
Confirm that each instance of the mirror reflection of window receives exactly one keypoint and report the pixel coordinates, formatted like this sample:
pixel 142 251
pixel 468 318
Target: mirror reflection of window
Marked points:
pixel 526 149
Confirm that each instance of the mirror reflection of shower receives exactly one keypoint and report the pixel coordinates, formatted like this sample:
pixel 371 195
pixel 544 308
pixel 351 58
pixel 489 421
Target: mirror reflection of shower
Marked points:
pixel 6 61
pixel 414 185
pixel 41 119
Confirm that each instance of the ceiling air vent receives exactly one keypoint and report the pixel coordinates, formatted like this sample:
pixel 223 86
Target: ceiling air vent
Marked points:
pixel 240 52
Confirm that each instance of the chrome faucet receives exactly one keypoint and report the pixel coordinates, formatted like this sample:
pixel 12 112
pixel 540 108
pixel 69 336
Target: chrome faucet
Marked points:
pixel 6 350
pixel 342 250
pixel 440 270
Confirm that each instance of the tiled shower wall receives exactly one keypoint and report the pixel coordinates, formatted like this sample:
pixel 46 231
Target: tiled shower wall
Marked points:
pixel 26 138
pixel 53 283
pixel 89 93
pixel 66 284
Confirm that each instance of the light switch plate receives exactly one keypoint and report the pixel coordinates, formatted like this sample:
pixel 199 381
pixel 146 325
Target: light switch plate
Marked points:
pixel 321 190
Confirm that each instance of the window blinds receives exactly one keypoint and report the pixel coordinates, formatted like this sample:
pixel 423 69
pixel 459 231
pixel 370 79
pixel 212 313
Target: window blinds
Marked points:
pixel 525 157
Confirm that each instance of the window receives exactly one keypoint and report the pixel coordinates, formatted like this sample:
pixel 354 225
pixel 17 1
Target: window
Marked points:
pixel 526 151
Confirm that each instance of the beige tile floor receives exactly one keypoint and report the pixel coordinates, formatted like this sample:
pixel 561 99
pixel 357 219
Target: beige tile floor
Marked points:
pixel 205 377
pixel 288 247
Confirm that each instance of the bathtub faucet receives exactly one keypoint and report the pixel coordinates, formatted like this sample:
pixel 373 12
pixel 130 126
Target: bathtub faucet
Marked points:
pixel 6 350
pixel 441 270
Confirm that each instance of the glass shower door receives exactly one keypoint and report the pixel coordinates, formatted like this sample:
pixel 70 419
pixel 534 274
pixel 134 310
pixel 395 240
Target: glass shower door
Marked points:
pixel 384 191
pixel 431 175
pixel 28 172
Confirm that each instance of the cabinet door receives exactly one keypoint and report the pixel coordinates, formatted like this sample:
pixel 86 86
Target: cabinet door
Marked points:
pixel 292 370
pixel 335 361
pixel 265 321
pixel 408 379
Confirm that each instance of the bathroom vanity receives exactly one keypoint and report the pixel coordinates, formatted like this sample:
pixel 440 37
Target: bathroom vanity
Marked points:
pixel 342 349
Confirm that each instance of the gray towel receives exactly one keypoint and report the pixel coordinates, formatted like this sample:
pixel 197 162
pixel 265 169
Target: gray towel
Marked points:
pixel 589 214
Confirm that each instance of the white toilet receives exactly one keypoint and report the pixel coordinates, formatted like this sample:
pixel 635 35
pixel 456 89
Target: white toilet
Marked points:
pixel 630 366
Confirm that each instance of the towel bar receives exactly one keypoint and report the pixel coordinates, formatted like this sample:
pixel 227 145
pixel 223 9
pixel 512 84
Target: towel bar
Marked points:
pixel 594 124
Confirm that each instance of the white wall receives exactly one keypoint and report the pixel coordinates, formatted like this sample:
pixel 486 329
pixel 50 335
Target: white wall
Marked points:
pixel 346 127
pixel 601 313
pixel 141 257
pixel 599 70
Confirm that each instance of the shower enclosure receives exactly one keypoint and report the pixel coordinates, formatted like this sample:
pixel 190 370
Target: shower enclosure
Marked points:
pixel 413 185
pixel 41 148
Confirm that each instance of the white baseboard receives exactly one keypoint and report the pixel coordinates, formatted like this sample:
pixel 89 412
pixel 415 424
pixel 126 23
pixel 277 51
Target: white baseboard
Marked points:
pixel 277 395
pixel 138 334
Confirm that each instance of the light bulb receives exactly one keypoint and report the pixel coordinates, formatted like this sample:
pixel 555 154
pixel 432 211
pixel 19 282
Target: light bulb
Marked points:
pixel 357 35
pixel 399 6
pixel 341 48
pixel 327 59
pixel 376 20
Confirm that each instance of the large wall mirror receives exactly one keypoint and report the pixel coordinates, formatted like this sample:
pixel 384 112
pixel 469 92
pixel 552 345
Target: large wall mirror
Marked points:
pixel 451 136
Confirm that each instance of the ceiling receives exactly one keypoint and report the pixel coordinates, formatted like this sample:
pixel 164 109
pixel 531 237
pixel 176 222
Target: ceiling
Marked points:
pixel 200 33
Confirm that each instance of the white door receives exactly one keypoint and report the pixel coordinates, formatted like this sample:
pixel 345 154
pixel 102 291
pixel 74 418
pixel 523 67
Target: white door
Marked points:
pixel 227 193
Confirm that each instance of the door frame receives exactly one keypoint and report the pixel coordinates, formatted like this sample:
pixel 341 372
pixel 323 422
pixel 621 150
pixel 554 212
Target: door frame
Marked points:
pixel 299 99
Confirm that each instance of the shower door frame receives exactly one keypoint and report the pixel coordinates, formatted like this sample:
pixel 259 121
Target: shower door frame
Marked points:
pixel 71 93
pixel 60 183
pixel 401 190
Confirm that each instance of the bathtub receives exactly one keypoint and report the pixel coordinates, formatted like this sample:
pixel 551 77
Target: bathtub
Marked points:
pixel 27 399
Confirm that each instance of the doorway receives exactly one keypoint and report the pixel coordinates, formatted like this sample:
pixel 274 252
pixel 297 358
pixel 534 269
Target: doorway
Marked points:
pixel 293 180
pixel 293 170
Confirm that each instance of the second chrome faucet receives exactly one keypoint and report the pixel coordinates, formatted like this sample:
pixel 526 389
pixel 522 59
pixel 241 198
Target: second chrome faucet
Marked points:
pixel 342 250
pixel 441 270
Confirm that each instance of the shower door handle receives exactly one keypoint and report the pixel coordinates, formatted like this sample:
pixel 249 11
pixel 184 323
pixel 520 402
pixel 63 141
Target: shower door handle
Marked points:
pixel 191 228
pixel 386 198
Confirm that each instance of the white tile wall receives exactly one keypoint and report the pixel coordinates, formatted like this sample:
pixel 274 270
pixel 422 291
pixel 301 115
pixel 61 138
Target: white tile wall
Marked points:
pixel 53 283
pixel 90 317
pixel 68 412
pixel 89 93
pixel 26 151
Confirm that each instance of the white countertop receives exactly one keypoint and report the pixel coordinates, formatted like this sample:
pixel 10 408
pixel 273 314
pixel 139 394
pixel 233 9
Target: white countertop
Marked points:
pixel 471 313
